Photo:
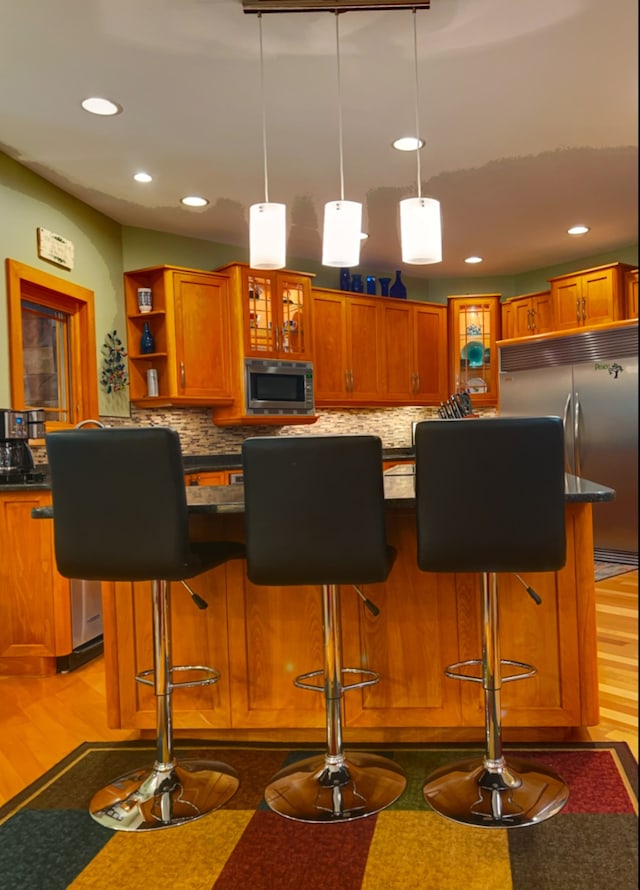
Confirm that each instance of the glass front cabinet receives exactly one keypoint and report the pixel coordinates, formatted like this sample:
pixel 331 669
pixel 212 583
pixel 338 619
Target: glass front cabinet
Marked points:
pixel 474 328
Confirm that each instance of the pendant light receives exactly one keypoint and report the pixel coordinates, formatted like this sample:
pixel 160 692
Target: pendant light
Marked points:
pixel 267 221
pixel 420 219
pixel 342 219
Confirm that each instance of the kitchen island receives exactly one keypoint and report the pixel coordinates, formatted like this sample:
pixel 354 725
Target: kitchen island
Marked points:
pixel 260 638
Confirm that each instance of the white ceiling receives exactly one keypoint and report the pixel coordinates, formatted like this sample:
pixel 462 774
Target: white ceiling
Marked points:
pixel 529 110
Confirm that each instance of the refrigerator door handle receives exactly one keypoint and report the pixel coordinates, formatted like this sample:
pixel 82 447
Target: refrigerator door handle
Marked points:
pixel 568 452
pixel 576 436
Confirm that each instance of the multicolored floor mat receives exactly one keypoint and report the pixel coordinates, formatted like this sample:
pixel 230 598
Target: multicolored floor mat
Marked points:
pixel 48 841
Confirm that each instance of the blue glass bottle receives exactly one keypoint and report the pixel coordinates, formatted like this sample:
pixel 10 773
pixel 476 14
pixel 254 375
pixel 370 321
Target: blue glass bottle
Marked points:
pixel 371 284
pixel 398 289
pixel 147 343
pixel 357 285
pixel 384 287
pixel 345 279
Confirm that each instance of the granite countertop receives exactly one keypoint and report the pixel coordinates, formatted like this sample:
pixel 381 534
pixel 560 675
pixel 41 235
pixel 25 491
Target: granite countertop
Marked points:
pixel 399 491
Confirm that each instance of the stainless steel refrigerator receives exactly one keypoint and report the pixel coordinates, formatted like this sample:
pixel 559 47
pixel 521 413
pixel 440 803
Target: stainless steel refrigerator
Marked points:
pixel 590 379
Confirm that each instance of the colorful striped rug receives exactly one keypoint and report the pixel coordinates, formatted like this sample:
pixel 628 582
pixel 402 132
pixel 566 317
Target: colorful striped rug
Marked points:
pixel 49 842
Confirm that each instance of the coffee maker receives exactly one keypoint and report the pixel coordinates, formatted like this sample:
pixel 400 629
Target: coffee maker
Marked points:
pixel 16 459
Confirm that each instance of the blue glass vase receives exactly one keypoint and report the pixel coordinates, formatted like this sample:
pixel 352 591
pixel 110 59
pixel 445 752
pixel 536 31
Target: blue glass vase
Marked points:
pixel 371 284
pixel 345 279
pixel 384 286
pixel 147 343
pixel 357 285
pixel 398 289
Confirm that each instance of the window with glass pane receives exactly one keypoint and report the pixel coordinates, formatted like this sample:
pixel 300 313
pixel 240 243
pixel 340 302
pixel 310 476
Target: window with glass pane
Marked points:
pixel 46 350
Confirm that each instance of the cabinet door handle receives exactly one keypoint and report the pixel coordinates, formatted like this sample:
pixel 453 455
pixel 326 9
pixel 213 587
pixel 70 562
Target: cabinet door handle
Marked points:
pixel 584 308
pixel 352 380
pixel 182 379
pixel 533 319
pixel 346 380
pixel 578 309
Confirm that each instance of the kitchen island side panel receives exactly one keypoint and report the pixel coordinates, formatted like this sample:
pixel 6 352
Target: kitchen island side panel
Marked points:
pixel 261 637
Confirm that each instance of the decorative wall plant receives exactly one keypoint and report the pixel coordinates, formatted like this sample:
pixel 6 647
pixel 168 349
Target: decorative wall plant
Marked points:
pixel 113 374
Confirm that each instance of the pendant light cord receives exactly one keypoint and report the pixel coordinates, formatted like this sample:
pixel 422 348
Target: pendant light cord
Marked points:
pixel 264 116
pixel 337 14
pixel 415 65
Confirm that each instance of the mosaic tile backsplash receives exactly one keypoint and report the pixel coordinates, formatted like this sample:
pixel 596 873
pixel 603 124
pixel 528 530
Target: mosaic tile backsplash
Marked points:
pixel 199 436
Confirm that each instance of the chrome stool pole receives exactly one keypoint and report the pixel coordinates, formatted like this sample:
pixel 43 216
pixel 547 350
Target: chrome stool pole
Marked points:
pixel 334 787
pixel 167 793
pixel 492 793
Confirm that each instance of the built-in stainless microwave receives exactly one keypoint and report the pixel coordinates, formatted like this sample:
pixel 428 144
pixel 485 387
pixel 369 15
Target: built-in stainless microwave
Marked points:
pixel 274 386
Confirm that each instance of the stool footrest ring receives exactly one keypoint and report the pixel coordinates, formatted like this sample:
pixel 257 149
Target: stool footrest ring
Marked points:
pixel 454 673
pixel 211 676
pixel 374 677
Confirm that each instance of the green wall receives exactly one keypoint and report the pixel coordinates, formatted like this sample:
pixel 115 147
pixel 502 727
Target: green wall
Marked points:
pixel 104 250
pixel 28 202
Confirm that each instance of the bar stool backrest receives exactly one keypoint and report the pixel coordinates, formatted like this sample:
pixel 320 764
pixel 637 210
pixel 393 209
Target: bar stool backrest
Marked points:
pixel 490 495
pixel 314 510
pixel 119 504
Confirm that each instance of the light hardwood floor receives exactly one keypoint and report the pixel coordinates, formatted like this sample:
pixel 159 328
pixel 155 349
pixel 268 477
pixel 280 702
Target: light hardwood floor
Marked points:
pixel 44 719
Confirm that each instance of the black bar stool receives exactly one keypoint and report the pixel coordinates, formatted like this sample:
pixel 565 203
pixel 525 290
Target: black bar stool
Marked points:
pixel 120 514
pixel 314 514
pixel 508 473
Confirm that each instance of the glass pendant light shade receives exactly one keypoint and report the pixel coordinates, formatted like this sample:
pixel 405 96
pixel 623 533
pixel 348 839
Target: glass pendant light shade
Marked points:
pixel 341 233
pixel 267 236
pixel 420 231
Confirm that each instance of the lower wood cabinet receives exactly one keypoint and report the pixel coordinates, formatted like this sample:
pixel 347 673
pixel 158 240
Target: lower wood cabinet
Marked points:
pixel 35 605
pixel 260 638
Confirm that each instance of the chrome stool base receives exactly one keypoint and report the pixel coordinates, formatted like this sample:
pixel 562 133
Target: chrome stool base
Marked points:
pixel 335 789
pixel 164 795
pixel 495 795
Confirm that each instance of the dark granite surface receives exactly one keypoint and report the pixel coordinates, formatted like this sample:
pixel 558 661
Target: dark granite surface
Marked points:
pixel 398 492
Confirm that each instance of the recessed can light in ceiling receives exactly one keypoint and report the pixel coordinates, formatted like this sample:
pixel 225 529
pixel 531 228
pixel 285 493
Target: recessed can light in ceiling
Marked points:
pixel 142 177
pixel 194 201
pixel 98 105
pixel 473 259
pixel 408 143
pixel 578 230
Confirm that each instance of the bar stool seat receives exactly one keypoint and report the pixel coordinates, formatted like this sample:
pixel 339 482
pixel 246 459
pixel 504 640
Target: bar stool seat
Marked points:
pixel 314 514
pixel 511 470
pixel 120 514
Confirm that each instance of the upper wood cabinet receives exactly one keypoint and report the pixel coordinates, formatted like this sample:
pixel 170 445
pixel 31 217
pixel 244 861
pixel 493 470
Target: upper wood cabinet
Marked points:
pixel 591 297
pixel 346 348
pixel 631 293
pixel 414 340
pixel 271 312
pixel 190 323
pixel 527 315
pixel 474 328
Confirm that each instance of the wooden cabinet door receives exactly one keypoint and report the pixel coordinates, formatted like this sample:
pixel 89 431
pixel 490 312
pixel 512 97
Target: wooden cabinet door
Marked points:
pixel 430 351
pixel 398 339
pixel 567 302
pixel 523 318
pixel 631 294
pixel 474 325
pixel 330 347
pixel 293 295
pixel 202 335
pixel 35 605
pixel 542 313
pixel 598 298
pixel 364 355
pixel 508 320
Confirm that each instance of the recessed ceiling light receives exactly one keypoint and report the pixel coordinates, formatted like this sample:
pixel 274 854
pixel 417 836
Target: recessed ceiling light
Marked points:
pixel 142 177
pixel 96 105
pixel 408 143
pixel 473 259
pixel 363 236
pixel 578 230
pixel 194 201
